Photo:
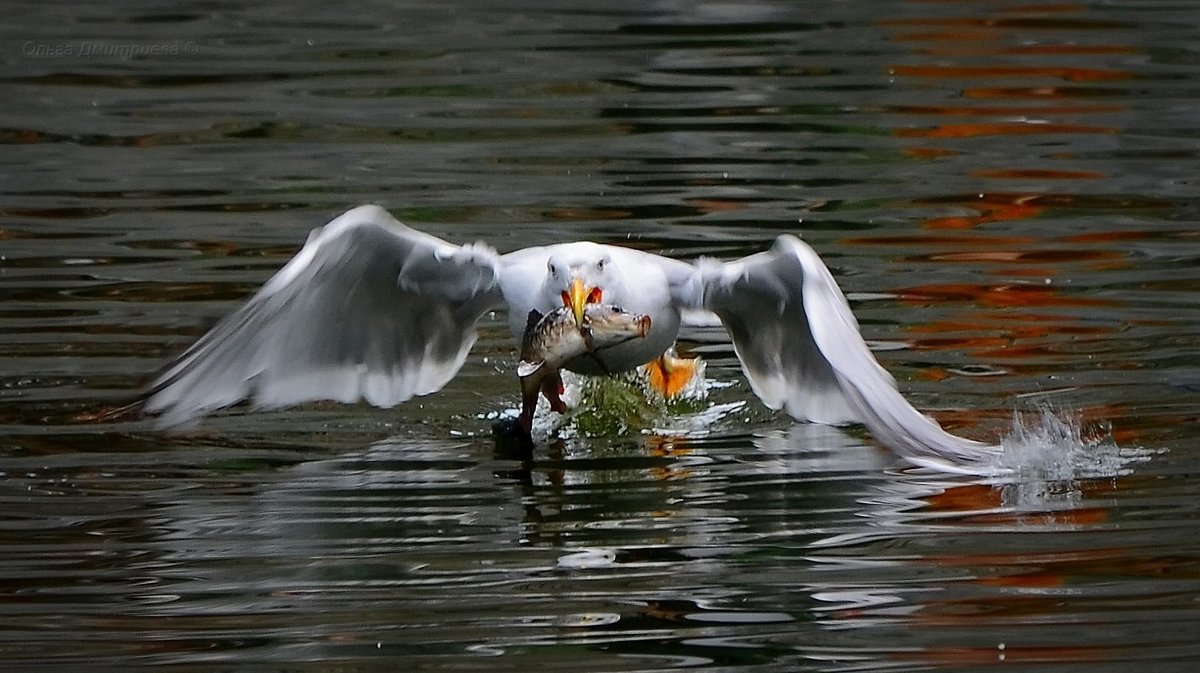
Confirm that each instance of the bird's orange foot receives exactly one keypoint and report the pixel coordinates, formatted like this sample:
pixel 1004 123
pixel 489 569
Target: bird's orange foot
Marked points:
pixel 669 375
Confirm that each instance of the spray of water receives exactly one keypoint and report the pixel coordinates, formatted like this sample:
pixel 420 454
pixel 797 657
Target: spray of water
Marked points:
pixel 627 402
pixel 1045 445
pixel 1056 444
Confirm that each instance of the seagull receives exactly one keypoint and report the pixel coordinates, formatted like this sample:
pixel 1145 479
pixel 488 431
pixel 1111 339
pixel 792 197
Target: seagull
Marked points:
pixel 373 310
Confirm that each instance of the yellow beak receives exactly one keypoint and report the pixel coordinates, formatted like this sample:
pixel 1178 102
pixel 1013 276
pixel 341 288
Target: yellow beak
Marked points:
pixel 577 299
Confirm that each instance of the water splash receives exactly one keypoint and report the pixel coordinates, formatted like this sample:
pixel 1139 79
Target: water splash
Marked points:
pixel 616 405
pixel 1050 446
pixel 1057 445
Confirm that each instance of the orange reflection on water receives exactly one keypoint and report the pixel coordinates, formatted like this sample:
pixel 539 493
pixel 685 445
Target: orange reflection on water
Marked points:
pixel 1019 326
pixel 991 208
pixel 1037 93
pixel 668 446
pixel 1004 295
pixel 1000 206
pixel 1070 74
pixel 1044 8
pixel 1055 256
pixel 715 205
pixel 1022 43
pixel 975 49
pixel 1108 236
pixel 588 214
pixel 1018 128
pixel 1007 111
pixel 1036 174
pixel 948 36
pixel 929 152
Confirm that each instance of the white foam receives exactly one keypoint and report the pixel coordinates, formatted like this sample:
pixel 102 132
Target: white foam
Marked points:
pixel 1054 444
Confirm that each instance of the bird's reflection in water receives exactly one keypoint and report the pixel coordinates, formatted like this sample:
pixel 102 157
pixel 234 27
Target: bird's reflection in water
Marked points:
pixel 671 539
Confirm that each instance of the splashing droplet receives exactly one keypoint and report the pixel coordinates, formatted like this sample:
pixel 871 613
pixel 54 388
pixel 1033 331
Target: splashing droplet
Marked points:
pixel 1058 445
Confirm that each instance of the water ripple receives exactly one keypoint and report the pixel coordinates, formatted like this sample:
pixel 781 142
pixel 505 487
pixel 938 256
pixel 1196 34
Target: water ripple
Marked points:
pixel 1006 192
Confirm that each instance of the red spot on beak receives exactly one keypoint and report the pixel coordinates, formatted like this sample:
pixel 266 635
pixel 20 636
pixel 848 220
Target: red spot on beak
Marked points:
pixel 566 297
pixel 595 295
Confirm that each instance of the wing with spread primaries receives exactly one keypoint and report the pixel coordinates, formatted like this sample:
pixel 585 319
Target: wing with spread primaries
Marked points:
pixel 800 347
pixel 368 309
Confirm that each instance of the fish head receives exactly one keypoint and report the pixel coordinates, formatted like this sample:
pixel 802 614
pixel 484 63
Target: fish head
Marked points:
pixel 608 323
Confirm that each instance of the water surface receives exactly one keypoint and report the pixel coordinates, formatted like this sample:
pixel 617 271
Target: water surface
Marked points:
pixel 1007 191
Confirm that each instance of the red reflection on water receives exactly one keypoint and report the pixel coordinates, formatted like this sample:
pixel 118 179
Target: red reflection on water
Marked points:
pixel 996 44
pixel 995 295
pixel 1019 326
pixel 1000 206
pixel 968 36
pixel 23 137
pixel 718 205
pixel 991 208
pixel 974 48
pixel 1006 111
pixel 1020 128
pixel 588 214
pixel 1036 174
pixel 966 498
pixel 1108 236
pixel 1037 93
pixel 930 240
pixel 1071 74
pixel 929 152
pixel 668 446
pixel 1027 256
pixel 1049 8
pixel 1015 338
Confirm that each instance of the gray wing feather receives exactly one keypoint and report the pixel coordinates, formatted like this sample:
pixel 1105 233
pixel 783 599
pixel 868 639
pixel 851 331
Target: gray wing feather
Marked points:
pixel 760 301
pixel 801 349
pixel 368 310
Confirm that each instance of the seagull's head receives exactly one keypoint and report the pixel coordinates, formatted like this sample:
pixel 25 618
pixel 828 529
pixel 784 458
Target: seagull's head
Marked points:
pixel 579 279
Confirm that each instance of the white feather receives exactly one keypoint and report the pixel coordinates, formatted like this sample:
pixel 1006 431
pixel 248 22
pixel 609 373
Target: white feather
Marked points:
pixel 370 309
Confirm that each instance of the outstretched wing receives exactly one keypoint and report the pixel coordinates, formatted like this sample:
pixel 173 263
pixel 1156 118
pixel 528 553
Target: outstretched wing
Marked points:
pixel 368 309
pixel 800 347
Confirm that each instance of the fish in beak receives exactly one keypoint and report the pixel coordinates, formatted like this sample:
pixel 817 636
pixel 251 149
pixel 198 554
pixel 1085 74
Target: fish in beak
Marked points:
pixel 552 340
pixel 578 296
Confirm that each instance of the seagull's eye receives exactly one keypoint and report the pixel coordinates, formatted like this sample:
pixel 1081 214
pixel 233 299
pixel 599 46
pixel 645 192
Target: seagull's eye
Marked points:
pixel 600 264
pixel 553 270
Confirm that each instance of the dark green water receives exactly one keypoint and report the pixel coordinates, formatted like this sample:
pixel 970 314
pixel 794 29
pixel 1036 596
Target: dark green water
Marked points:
pixel 1007 191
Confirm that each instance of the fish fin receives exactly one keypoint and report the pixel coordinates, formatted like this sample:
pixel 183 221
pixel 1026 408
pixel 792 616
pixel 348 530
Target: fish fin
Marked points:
pixel 535 316
pixel 527 368
pixel 531 323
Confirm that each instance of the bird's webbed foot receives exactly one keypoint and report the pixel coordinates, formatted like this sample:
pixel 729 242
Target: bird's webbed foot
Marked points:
pixel 669 375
